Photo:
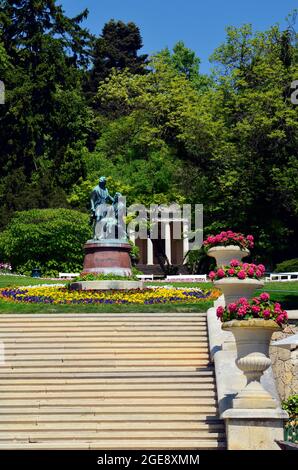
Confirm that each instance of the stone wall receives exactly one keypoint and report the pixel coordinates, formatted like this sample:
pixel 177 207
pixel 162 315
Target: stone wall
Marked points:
pixel 285 364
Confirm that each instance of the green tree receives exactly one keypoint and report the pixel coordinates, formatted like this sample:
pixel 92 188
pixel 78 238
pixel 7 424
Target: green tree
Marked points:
pixel 256 187
pixel 185 61
pixel 45 115
pixel 116 48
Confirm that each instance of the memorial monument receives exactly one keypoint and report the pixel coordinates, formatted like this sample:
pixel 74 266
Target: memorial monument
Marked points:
pixel 109 250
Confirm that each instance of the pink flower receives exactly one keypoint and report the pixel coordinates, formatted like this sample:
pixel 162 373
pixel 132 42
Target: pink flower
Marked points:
pixel 231 271
pixel 266 313
pixel 242 311
pixel 243 301
pixel 259 273
pixel 220 312
pixel 220 273
pixel 234 263
pixel 241 275
pixel 245 265
pixel 232 308
pixel 261 268
pixel 285 314
pixel 255 309
pixel 280 318
pixel 250 238
pixel 212 275
pixel 264 296
pixel 251 272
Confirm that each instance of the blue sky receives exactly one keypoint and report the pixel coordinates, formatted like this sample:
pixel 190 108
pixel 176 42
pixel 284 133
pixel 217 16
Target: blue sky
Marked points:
pixel 199 23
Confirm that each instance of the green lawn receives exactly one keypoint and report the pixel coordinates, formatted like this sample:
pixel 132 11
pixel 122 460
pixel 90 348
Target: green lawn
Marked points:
pixel 284 292
pixel 15 281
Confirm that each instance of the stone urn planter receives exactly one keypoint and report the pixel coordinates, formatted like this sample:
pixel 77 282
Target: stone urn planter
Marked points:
pixel 233 289
pixel 224 254
pixel 252 341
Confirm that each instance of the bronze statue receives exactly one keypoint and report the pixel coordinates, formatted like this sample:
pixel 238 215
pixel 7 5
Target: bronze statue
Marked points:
pixel 107 213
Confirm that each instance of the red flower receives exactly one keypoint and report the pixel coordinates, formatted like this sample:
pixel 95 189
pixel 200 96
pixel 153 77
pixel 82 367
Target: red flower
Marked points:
pixel 221 273
pixel 232 308
pixel 234 263
pixel 220 312
pixel 266 313
pixel 241 275
pixel 264 296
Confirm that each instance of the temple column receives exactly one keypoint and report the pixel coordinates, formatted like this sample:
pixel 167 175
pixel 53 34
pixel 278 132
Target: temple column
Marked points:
pixel 185 239
pixel 149 252
pixel 168 241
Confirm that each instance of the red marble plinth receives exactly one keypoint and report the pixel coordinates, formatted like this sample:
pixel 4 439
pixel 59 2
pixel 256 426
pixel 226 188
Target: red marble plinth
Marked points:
pixel 107 257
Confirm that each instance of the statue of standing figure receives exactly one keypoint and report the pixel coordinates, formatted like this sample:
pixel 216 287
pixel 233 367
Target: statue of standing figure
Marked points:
pixel 107 213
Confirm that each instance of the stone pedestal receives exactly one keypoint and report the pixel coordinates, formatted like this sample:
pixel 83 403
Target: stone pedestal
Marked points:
pixel 107 257
pixel 254 429
pixel 224 254
pixel 233 288
pixel 107 285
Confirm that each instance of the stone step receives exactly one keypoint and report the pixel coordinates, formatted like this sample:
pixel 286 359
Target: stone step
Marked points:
pixel 110 426
pixel 120 378
pixel 142 335
pixel 87 316
pixel 106 322
pixel 51 350
pixel 125 409
pixel 80 356
pixel 123 381
pixel 106 401
pixel 97 434
pixel 133 444
pixel 107 387
pixel 45 375
pixel 93 394
pixel 109 418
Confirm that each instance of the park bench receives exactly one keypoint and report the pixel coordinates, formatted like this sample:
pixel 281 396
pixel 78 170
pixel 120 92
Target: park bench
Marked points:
pixel 68 275
pixel 187 278
pixel 145 277
pixel 282 277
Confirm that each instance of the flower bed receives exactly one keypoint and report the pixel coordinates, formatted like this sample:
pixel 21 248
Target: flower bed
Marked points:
pixel 238 270
pixel 229 238
pixel 61 295
pixel 259 307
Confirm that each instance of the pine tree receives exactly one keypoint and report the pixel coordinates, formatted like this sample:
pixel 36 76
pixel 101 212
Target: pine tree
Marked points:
pixel 116 48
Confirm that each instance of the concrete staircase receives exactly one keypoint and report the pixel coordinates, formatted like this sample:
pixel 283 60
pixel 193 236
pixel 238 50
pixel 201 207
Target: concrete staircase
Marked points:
pixel 107 381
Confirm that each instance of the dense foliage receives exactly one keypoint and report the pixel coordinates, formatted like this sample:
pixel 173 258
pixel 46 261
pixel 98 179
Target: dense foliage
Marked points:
pixel 78 106
pixel 287 266
pixel 49 239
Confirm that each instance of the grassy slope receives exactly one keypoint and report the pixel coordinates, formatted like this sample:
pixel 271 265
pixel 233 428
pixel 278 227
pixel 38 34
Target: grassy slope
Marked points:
pixel 284 292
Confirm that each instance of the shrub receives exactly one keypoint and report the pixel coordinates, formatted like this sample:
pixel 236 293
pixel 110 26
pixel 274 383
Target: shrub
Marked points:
pixel 288 266
pixel 291 406
pixel 49 239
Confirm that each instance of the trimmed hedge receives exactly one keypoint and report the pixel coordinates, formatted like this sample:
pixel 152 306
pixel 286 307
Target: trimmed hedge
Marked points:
pixel 49 239
pixel 288 266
